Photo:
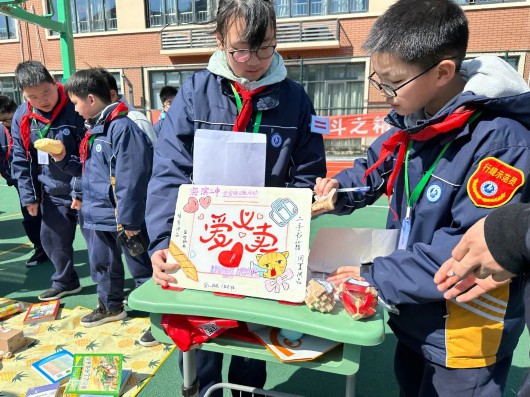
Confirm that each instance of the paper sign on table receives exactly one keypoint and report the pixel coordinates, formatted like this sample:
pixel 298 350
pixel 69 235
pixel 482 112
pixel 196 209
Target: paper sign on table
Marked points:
pixel 336 247
pixel 248 241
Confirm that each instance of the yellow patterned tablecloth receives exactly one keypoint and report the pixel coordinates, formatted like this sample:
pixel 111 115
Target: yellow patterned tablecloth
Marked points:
pixel 16 374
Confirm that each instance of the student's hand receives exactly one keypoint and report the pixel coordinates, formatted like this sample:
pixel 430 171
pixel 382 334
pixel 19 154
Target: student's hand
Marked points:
pixel 76 204
pixel 324 185
pixel 130 233
pixel 33 209
pixel 60 156
pixel 471 255
pixel 344 273
pixel 158 261
pixel 471 287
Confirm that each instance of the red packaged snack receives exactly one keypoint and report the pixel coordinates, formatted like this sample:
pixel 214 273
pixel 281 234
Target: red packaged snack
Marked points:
pixel 190 331
pixel 359 298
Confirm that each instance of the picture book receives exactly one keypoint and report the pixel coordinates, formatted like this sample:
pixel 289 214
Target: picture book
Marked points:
pixel 42 311
pixel 50 390
pixel 98 374
pixel 251 241
pixel 55 368
pixel 125 374
pixel 307 348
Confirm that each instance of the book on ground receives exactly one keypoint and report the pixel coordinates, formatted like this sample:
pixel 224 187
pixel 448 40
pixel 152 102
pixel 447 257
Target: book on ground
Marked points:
pixel 125 374
pixel 43 391
pixel 98 374
pixel 42 311
pixel 55 368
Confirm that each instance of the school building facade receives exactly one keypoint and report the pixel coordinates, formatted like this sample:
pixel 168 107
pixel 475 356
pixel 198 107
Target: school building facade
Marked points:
pixel 151 43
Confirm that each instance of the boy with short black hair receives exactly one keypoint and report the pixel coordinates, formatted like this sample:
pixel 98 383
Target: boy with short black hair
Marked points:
pixel 167 94
pixel 138 117
pixel 459 147
pixel 30 223
pixel 43 187
pixel 116 158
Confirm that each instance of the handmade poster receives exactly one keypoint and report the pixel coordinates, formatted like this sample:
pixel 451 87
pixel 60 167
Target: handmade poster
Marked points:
pixel 250 241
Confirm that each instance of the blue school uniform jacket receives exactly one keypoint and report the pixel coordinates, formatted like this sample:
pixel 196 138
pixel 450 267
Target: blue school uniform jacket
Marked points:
pixel 120 152
pixel 295 156
pixel 5 161
pixel 464 187
pixel 33 178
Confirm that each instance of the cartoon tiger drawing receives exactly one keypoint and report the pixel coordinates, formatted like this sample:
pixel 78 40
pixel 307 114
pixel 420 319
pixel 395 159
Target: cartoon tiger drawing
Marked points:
pixel 274 263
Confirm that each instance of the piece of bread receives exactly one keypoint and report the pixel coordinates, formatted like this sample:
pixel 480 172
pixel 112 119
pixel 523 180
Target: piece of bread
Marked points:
pixel 48 145
pixel 324 203
pixel 183 261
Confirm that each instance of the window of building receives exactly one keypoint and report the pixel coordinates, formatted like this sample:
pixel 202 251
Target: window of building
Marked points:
pixel 161 78
pixel 297 8
pixel 180 12
pixel 91 15
pixel 8 87
pixel 7 28
pixel 334 88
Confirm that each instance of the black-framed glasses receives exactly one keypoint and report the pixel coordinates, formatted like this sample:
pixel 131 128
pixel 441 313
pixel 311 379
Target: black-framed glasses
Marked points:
pixel 390 91
pixel 262 53
pixel 6 120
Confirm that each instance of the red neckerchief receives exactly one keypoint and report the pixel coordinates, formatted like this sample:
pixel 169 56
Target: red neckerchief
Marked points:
pixel 243 117
pixel 25 128
pixel 9 144
pixel 119 111
pixel 455 120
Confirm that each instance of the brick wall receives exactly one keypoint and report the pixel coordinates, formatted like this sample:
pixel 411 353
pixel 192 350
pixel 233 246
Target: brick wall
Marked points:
pixel 498 29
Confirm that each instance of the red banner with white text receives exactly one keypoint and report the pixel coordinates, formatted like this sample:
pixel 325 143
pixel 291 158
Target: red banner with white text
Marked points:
pixel 369 125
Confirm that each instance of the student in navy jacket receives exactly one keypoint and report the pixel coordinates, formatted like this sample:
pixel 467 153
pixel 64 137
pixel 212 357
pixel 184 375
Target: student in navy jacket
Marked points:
pixel 115 159
pixel 246 62
pixel 30 223
pixel 43 187
pixel 459 147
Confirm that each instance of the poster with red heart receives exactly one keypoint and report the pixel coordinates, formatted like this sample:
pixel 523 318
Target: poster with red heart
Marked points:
pixel 250 241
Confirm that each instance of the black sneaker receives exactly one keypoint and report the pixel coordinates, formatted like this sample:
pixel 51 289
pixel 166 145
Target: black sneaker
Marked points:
pixel 52 293
pixel 100 315
pixel 38 257
pixel 148 340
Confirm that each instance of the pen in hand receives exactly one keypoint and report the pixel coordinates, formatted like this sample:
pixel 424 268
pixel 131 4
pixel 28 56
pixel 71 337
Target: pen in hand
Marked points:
pixel 358 189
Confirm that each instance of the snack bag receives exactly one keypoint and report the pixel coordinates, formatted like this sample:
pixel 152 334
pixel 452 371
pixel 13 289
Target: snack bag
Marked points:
pixel 359 298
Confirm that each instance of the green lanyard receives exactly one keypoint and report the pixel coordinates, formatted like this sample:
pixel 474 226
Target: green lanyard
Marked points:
pixel 412 198
pixel 240 105
pixel 42 134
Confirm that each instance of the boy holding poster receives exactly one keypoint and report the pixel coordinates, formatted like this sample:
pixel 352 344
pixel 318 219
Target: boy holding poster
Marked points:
pixel 244 89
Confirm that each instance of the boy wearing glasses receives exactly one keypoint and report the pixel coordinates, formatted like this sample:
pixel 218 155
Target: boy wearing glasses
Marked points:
pixel 30 223
pixel 459 147
pixel 245 89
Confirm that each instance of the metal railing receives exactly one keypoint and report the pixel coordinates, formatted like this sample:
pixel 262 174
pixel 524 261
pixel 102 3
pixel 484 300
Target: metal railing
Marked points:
pixel 291 32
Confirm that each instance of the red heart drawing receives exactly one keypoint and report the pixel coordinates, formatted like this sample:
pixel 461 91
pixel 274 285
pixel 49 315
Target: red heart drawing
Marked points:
pixel 205 201
pixel 192 205
pixel 231 258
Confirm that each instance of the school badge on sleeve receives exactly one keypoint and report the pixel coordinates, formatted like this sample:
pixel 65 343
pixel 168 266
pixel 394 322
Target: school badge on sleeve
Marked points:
pixel 493 183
